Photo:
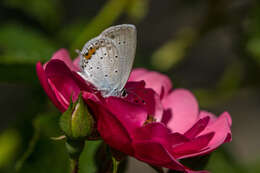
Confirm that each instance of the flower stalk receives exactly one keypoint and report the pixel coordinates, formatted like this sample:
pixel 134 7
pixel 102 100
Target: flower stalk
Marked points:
pixel 74 166
pixel 115 165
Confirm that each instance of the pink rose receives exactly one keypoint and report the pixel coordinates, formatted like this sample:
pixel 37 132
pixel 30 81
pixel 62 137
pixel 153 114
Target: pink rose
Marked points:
pixel 154 123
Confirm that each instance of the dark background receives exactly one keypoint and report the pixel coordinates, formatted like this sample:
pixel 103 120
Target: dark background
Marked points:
pixel 211 47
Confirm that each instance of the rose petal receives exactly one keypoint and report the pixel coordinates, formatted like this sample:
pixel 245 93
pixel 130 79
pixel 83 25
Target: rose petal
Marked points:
pixel 136 73
pixel 152 131
pixel 204 114
pixel 63 55
pixel 197 128
pixel 195 145
pixel 221 128
pixel 76 63
pixel 191 171
pixel 160 83
pixel 146 97
pixel 184 109
pixel 45 84
pixel 176 139
pixel 113 132
pixel 129 114
pixel 154 153
pixel 62 80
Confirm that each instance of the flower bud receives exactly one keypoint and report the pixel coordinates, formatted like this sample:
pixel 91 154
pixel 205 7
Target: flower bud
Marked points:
pixel 77 122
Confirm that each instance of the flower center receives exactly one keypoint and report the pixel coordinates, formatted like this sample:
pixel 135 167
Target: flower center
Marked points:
pixel 150 119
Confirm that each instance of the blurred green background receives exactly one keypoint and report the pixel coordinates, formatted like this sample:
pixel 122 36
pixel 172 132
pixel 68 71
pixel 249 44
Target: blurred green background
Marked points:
pixel 209 46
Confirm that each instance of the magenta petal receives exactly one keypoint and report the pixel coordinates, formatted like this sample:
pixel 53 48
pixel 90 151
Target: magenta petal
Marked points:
pixel 197 128
pixel 176 139
pixel 221 127
pixel 62 78
pixel 184 110
pixel 153 131
pixel 211 116
pixel 88 95
pixel 76 63
pixel 63 55
pixel 154 153
pixel 145 97
pixel 62 100
pixel 184 150
pixel 190 171
pixel 83 85
pixel 158 132
pixel 129 114
pixel 160 83
pixel 44 82
pixel 133 85
pixel 136 73
pixel 113 132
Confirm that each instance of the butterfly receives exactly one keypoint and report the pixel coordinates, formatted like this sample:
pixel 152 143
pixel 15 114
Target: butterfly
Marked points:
pixel 106 60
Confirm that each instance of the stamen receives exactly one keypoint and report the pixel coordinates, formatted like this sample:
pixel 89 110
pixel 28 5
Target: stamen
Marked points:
pixel 150 119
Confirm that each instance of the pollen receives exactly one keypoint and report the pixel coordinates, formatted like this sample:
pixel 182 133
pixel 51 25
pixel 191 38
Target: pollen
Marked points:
pixel 150 119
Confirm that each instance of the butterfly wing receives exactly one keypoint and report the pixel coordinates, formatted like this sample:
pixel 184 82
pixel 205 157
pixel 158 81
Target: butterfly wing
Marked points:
pixel 99 64
pixel 106 61
pixel 124 37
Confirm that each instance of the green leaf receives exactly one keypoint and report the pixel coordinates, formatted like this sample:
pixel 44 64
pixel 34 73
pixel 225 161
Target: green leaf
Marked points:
pixel 23 45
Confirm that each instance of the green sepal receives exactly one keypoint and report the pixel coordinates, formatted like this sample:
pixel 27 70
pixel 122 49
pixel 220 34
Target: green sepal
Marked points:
pixel 82 121
pixel 65 121
pixel 77 122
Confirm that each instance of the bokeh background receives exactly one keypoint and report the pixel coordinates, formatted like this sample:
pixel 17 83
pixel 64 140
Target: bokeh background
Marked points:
pixel 211 47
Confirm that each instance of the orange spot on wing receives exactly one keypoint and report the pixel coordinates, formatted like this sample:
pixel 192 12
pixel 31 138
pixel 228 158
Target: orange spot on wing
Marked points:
pixel 90 53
